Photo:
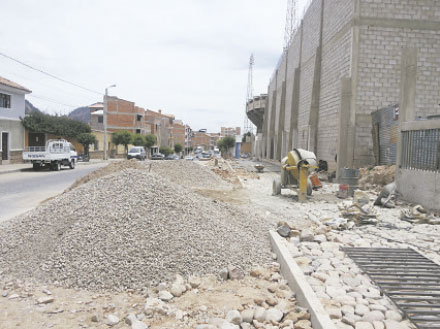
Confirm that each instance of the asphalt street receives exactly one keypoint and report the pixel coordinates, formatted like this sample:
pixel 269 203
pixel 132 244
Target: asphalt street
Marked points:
pixel 24 190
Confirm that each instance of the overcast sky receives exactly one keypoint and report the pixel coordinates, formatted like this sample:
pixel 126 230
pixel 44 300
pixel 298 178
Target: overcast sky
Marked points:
pixel 186 57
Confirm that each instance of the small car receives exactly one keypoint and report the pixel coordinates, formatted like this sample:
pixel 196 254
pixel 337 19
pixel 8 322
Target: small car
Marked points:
pixel 137 152
pixel 172 157
pixel 157 156
pixel 189 158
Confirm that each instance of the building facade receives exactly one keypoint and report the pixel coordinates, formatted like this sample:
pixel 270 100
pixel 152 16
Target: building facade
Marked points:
pixel 347 59
pixel 12 132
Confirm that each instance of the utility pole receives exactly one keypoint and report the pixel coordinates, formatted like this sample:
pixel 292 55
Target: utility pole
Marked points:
pixel 248 126
pixel 105 120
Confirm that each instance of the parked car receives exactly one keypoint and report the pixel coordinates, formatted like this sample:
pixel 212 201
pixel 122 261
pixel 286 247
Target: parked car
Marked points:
pixel 157 156
pixel 137 152
pixel 189 158
pixel 172 157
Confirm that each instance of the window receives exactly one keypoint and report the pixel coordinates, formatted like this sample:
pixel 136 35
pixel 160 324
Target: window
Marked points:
pixel 139 117
pixel 96 146
pixel 100 119
pixel 5 101
pixel 138 131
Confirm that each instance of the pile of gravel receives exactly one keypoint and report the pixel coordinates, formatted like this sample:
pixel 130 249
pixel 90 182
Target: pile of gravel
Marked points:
pixel 111 168
pixel 131 229
pixel 189 174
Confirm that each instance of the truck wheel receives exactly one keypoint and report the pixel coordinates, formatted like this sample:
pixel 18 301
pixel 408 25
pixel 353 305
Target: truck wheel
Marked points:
pixel 276 187
pixel 56 166
pixel 72 164
pixel 36 166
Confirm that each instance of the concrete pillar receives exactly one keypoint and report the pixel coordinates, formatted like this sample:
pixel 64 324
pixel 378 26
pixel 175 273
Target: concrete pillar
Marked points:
pixel 293 133
pixel 272 122
pixel 346 128
pixel 316 90
pixel 281 120
pixel 408 82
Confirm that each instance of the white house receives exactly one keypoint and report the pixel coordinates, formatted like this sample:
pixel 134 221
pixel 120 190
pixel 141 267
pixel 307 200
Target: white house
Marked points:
pixel 12 132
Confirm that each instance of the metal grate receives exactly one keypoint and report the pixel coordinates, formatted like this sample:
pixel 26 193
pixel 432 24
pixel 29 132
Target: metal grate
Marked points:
pixel 409 279
pixel 421 149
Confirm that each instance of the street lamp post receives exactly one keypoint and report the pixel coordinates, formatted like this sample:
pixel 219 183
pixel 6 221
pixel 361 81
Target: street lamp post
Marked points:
pixel 105 120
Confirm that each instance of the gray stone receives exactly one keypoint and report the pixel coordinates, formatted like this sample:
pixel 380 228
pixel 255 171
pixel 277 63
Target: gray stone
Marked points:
pixel 234 317
pixel 361 309
pixel 165 296
pixel 334 312
pixel 320 238
pixel 247 315
pixel 223 274
pixel 45 300
pixel 111 320
pixel 373 316
pixel 259 314
pixel 391 324
pixel 306 235
pixel 378 325
pixel 229 326
pixel 274 315
pixel 393 315
pixel 235 273
pixel 284 231
pixel 363 325
pixel 206 326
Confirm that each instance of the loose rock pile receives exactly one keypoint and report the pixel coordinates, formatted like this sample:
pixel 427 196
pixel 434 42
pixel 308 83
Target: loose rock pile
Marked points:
pixel 376 176
pixel 107 170
pixel 129 230
pixel 188 174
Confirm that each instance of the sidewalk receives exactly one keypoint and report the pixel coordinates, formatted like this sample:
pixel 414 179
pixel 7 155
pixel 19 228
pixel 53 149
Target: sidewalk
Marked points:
pixel 10 168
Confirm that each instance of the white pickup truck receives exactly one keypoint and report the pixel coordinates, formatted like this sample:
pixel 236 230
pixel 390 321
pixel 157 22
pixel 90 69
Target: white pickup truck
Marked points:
pixel 56 153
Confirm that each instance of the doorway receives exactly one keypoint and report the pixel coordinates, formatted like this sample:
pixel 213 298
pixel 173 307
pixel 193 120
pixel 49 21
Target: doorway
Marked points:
pixel 5 143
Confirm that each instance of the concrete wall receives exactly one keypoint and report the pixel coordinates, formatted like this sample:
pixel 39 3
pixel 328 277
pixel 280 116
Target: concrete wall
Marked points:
pixel 419 186
pixel 17 109
pixel 346 57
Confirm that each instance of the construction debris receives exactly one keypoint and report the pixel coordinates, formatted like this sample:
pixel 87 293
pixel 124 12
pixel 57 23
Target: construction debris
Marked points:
pixel 127 231
pixel 418 215
pixel 372 177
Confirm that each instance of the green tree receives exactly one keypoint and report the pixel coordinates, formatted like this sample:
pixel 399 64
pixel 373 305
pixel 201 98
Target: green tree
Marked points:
pixel 245 135
pixel 178 148
pixel 150 140
pixel 85 139
pixel 122 137
pixel 138 140
pixel 225 143
pixel 60 126
pixel 165 150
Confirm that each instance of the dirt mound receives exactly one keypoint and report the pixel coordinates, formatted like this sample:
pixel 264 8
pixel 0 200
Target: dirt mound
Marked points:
pixel 376 176
pixel 129 229
pixel 107 170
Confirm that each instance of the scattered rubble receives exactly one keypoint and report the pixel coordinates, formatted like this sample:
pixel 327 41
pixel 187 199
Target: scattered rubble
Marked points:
pixel 373 177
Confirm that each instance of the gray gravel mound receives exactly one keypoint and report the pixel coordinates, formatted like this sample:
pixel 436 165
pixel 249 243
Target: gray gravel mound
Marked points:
pixel 131 229
pixel 189 174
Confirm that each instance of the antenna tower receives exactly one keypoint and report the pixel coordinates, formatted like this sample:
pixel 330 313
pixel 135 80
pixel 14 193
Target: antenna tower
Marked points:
pixel 248 126
pixel 291 22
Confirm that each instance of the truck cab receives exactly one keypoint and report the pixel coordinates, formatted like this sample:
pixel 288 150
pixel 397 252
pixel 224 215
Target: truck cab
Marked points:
pixel 56 153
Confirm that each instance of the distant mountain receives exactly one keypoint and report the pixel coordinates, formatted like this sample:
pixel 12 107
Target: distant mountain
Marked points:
pixel 80 114
pixel 29 107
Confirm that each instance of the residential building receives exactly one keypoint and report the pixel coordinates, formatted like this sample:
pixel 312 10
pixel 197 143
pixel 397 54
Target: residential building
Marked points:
pixel 230 131
pixel 12 132
pixel 179 133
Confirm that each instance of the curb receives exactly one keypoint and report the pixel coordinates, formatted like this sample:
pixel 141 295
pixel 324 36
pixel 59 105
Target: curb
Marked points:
pixel 298 283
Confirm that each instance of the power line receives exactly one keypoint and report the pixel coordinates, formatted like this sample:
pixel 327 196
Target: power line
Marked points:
pixel 48 74
pixel 51 100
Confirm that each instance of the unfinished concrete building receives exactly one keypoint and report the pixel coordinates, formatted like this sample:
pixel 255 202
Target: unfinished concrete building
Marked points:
pixel 347 59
